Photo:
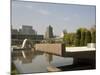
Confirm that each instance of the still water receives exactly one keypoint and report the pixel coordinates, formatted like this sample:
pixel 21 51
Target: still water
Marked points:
pixel 39 64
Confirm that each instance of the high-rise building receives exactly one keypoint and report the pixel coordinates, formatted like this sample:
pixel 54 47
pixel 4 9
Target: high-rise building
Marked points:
pixel 27 30
pixel 49 32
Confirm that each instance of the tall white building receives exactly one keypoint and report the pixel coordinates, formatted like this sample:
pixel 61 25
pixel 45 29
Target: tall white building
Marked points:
pixel 62 35
pixel 49 32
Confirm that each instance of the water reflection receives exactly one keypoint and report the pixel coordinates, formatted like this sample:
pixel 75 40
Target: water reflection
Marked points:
pixel 36 62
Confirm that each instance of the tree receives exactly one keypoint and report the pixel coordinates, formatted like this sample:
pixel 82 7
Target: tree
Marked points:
pixel 72 38
pixel 78 37
pixel 93 36
pixel 82 43
pixel 69 39
pixel 65 39
pixel 64 31
pixel 88 37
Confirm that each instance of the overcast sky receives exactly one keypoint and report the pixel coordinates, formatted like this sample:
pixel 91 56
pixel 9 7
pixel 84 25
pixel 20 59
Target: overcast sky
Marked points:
pixel 59 16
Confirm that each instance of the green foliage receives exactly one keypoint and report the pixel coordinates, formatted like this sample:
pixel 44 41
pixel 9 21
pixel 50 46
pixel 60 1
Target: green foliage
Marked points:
pixel 69 39
pixel 65 38
pixel 83 36
pixel 82 42
pixel 88 37
pixel 78 37
pixel 93 36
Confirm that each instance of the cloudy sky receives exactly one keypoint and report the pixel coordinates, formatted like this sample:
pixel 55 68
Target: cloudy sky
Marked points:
pixel 59 16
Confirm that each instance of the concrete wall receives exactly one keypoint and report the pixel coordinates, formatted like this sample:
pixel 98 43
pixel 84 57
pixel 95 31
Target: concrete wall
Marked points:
pixel 56 49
